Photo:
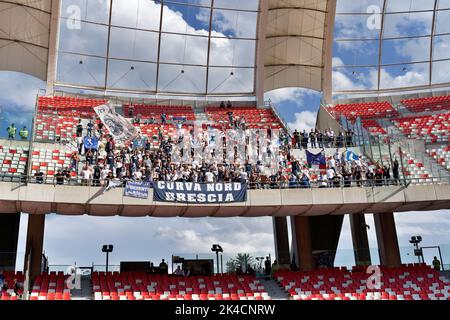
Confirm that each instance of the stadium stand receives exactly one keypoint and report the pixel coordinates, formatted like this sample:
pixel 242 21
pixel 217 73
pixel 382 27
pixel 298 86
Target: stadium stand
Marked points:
pixel 373 127
pixel 432 128
pixel 14 285
pixel 49 161
pixel 441 155
pixel 13 162
pixel 57 117
pixel 370 110
pixel 155 111
pixel 416 170
pixel 50 286
pixel 418 105
pixel 141 286
pixel 254 118
pixel 409 282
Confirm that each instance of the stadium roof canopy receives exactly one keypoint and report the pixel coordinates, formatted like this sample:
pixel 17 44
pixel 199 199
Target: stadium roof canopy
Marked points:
pixel 194 47
pixel 383 46
pixel 24 36
pixel 229 47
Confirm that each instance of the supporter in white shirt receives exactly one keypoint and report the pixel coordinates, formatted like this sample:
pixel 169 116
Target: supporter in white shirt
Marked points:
pixel 137 175
pixel 102 154
pixel 103 175
pixel 86 176
pixel 244 176
pixel 330 177
pixel 209 177
pixel 332 164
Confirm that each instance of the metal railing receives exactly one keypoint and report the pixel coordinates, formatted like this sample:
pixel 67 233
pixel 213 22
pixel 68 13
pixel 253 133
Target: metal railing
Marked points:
pixel 334 183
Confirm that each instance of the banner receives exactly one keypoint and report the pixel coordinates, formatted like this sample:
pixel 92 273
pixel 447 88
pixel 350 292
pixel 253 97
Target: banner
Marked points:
pixel 139 143
pixel 137 189
pixel 189 192
pixel 120 128
pixel 91 143
pixel 316 159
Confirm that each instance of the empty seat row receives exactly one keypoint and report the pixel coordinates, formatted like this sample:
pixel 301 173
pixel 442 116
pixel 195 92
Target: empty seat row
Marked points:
pixel 141 286
pixel 431 128
pixel 13 162
pixel 441 155
pixel 51 286
pixel 427 104
pixel 412 282
pixel 371 110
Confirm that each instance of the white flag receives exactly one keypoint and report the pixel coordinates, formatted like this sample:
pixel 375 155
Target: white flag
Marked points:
pixel 120 128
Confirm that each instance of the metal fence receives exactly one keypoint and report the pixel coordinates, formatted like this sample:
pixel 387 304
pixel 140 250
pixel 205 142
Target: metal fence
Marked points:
pixel 334 183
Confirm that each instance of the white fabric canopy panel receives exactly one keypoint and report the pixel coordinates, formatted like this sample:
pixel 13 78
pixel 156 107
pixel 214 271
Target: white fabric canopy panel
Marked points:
pixel 294 44
pixel 24 36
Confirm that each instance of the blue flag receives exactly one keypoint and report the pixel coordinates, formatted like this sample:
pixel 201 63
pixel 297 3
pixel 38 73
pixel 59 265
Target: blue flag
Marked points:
pixel 91 143
pixel 351 156
pixel 316 159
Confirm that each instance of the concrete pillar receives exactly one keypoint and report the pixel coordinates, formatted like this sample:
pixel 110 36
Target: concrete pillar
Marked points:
pixel 9 236
pixel 34 245
pixel 301 237
pixel 260 53
pixel 360 241
pixel 280 234
pixel 52 62
pixel 327 84
pixel 387 240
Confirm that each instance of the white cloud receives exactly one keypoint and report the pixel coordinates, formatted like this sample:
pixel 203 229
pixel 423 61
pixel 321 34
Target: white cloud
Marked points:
pixel 410 78
pixel 342 82
pixel 305 120
pixel 296 95
pixel 337 62
pixel 175 49
pixel 18 89
pixel 79 239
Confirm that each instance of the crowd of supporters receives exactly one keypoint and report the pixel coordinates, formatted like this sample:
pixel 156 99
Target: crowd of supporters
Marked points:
pixel 120 164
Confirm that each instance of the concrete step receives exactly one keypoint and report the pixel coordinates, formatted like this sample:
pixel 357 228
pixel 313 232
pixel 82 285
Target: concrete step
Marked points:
pixel 274 290
pixel 85 293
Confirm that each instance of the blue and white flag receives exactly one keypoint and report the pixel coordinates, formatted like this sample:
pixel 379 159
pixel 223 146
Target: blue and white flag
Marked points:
pixel 139 143
pixel 351 156
pixel 91 143
pixel 112 185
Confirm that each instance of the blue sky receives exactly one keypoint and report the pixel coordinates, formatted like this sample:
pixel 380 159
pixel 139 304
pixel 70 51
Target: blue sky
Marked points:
pixel 70 239
pixel 405 46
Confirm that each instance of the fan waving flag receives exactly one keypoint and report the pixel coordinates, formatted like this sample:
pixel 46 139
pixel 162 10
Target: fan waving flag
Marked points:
pixel 351 156
pixel 316 160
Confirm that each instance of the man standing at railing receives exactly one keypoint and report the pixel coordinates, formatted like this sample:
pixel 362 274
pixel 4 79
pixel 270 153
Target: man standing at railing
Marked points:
pixel 395 171
pixel 12 130
pixel 312 138
pixel 24 133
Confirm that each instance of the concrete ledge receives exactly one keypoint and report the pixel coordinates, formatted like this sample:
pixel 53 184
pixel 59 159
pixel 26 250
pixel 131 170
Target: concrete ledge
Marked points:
pixel 77 200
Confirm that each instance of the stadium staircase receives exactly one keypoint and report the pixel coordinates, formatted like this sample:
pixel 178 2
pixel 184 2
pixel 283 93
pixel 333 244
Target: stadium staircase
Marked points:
pixel 275 291
pixel 85 293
